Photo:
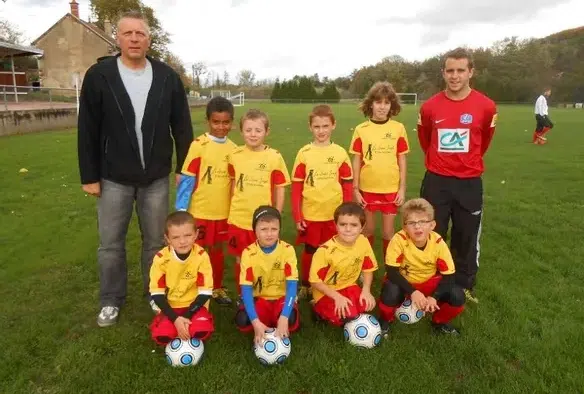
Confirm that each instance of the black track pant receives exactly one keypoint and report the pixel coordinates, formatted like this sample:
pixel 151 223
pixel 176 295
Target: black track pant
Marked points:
pixel 462 201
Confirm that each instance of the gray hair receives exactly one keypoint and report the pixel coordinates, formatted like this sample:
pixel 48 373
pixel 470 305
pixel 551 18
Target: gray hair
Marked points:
pixel 135 15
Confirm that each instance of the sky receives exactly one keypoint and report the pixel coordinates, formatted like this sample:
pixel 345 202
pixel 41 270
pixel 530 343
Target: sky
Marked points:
pixel 278 38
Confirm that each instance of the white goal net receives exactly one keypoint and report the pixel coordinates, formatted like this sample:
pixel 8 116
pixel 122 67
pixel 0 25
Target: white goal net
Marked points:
pixel 408 98
pixel 238 100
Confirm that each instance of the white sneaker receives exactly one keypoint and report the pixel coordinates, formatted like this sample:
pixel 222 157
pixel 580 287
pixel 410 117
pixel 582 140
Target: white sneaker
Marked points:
pixel 155 307
pixel 108 316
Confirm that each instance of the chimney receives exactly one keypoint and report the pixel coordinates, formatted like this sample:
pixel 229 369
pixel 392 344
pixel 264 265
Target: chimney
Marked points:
pixel 74 8
pixel 107 28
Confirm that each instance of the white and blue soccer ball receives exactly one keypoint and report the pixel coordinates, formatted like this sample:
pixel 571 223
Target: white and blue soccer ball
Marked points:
pixel 408 313
pixel 181 353
pixel 364 331
pixel 273 350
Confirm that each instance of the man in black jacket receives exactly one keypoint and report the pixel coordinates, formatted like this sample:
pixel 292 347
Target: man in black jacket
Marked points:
pixel 131 109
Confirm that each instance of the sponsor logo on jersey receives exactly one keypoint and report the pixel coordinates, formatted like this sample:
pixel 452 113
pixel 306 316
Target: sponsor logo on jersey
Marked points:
pixel 453 140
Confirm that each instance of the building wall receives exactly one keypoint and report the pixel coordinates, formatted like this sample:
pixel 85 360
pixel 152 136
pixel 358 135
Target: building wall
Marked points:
pixel 69 47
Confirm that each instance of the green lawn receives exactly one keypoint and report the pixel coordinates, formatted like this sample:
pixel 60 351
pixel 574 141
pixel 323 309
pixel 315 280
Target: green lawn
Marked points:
pixel 526 334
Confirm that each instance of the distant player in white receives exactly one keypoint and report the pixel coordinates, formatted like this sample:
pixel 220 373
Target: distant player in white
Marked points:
pixel 543 122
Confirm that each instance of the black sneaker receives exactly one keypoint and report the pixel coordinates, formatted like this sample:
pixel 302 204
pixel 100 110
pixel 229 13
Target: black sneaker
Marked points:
pixel 445 329
pixel 221 298
pixel 385 327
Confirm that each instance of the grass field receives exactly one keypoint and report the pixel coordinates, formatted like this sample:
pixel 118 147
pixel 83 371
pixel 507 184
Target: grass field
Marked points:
pixel 526 334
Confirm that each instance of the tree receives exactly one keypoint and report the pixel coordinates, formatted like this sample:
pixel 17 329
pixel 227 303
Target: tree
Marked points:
pixel 198 69
pixel 177 65
pixel 246 78
pixel 112 10
pixel 225 79
pixel 9 32
pixel 330 93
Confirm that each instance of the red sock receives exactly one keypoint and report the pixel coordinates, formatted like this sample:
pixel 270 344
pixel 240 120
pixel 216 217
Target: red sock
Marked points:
pixel 371 239
pixel 385 243
pixel 305 260
pixel 237 272
pixel 534 136
pixel 386 313
pixel 218 265
pixel 446 313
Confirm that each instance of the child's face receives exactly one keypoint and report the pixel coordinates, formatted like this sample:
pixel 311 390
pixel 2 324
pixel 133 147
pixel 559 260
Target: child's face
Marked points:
pixel 220 124
pixel 381 109
pixel 254 133
pixel 418 227
pixel 181 238
pixel 322 127
pixel 267 232
pixel 348 228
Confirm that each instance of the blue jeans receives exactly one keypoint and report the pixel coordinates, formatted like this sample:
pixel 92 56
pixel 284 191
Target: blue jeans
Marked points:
pixel 114 211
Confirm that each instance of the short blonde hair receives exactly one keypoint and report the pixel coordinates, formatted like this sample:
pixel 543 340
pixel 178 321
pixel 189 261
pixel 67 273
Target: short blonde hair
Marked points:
pixel 417 205
pixel 255 114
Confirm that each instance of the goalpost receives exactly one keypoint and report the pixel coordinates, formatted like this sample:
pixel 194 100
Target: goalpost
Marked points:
pixel 238 99
pixel 408 98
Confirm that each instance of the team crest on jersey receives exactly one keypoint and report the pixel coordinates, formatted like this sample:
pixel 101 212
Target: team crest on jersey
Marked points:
pixel 466 118
pixel 331 159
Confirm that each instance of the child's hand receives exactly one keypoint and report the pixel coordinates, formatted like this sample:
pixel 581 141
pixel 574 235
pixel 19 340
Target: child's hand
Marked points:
pixel 432 305
pixel 259 330
pixel 419 299
pixel 282 329
pixel 342 305
pixel 358 198
pixel 301 225
pixel 182 327
pixel 367 299
pixel 400 197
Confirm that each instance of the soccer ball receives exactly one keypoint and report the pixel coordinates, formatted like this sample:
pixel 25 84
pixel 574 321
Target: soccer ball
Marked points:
pixel 181 353
pixel 274 350
pixel 408 313
pixel 364 331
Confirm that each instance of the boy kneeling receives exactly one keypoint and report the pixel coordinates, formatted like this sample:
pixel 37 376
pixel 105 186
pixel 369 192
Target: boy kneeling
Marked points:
pixel 419 265
pixel 337 265
pixel 268 279
pixel 181 284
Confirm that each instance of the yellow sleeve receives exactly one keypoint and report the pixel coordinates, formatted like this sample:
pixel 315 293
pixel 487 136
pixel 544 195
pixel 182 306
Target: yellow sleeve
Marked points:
pixel 299 162
pixel 205 275
pixel 369 260
pixel 283 179
pixel 356 149
pixel 394 256
pixel 158 274
pixel 246 274
pixel 193 160
pixel 291 265
pixel 319 267
pixel 444 261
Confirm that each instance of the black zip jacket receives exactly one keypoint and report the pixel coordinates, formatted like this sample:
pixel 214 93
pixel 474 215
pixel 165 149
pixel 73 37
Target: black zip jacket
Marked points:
pixel 107 143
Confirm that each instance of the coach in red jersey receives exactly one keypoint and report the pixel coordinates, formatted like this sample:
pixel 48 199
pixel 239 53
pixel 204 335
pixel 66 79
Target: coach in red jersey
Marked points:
pixel 455 129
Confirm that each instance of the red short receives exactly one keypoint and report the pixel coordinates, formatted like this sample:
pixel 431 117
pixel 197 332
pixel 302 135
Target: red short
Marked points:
pixel 269 312
pixel 316 233
pixel 325 307
pixel 211 232
pixel 238 240
pixel 163 330
pixel 380 202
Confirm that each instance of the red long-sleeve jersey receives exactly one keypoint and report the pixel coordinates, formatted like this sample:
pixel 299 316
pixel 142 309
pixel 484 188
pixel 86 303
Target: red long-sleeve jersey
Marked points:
pixel 455 135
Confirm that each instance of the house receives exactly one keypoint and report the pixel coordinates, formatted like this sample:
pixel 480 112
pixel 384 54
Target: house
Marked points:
pixel 70 47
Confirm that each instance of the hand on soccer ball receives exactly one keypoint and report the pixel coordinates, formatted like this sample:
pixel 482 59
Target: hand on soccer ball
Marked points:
pixel 182 327
pixel 342 305
pixel 367 299
pixel 282 328
pixel 419 299
pixel 259 330
pixel 432 305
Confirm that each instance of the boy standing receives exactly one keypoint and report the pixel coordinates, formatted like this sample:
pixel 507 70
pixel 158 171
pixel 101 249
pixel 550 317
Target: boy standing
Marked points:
pixel 337 265
pixel 181 284
pixel 269 280
pixel 204 187
pixel 322 180
pixel 259 176
pixel 543 121
pixel 419 265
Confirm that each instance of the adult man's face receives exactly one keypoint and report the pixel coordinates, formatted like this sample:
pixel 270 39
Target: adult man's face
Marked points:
pixel 133 38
